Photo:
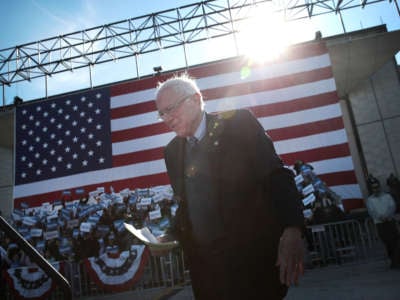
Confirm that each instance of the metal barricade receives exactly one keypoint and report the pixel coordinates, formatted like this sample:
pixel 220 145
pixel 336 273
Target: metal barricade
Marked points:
pixel 337 242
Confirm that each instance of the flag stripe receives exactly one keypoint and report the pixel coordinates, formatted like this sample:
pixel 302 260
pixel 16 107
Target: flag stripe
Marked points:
pixel 232 102
pixel 339 178
pixel 317 154
pixel 236 89
pixel 302 54
pixel 306 129
pixel 259 111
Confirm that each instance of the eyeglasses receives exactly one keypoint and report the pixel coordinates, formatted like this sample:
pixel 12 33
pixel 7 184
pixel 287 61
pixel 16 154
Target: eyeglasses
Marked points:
pixel 170 109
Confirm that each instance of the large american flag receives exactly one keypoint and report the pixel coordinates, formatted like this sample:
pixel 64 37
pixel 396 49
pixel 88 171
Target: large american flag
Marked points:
pixel 111 137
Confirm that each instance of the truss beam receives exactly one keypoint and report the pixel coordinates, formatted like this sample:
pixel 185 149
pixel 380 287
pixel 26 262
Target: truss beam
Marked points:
pixel 148 33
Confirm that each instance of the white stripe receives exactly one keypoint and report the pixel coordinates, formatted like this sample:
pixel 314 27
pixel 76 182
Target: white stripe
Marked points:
pixel 272 96
pixel 89 178
pixel 311 142
pixel 146 143
pixel 133 98
pixel 266 72
pixel 134 121
pixel 348 191
pixel 300 117
pixel 253 99
pixel 332 165
pixel 220 80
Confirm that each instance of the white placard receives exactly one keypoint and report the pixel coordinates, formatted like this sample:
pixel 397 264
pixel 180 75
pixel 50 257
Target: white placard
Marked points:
pixel 155 214
pixel 118 199
pixel 307 213
pixel 146 201
pixel 100 189
pixel 174 209
pixel 94 193
pixel 29 221
pixel 299 179
pixel 51 217
pixel 158 198
pixel 73 223
pixel 308 189
pixel 85 227
pixel 125 192
pixel 49 235
pixel 36 232
pixel 57 207
pixel 309 199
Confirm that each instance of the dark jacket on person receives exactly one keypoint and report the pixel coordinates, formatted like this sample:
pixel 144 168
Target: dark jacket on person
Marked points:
pixel 254 196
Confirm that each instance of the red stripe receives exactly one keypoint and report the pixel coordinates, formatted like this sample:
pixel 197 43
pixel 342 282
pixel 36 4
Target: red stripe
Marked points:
pixel 350 204
pixel 268 84
pixel 134 109
pixel 237 90
pixel 294 105
pixel 336 151
pixel 224 66
pixel 306 129
pixel 259 111
pixel 131 183
pixel 138 157
pixel 138 132
pixel 339 178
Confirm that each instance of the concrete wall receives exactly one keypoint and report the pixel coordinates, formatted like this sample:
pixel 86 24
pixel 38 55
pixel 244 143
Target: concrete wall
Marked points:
pixel 375 104
pixel 6 181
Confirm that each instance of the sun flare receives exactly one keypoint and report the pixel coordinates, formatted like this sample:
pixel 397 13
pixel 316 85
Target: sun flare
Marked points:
pixel 263 37
pixel 266 35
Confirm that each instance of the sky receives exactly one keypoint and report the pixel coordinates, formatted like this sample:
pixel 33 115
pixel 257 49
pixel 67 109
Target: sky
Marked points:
pixel 24 21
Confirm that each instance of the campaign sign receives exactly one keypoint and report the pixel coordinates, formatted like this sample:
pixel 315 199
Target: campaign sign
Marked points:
pixel 308 189
pixel 49 235
pixel 155 214
pixel 146 201
pixel 309 199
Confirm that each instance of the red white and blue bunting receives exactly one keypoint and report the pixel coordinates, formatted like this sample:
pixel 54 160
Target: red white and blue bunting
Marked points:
pixel 31 282
pixel 118 272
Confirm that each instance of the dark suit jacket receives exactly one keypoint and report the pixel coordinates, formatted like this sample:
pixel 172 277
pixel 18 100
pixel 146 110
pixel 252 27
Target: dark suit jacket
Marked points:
pixel 256 194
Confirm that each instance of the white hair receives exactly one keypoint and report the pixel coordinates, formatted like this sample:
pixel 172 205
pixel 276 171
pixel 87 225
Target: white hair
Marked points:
pixel 181 84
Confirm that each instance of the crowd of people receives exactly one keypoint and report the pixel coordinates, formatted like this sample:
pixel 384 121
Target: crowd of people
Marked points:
pixel 321 204
pixel 73 230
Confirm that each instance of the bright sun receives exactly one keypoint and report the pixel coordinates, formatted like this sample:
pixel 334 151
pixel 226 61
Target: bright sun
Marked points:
pixel 265 36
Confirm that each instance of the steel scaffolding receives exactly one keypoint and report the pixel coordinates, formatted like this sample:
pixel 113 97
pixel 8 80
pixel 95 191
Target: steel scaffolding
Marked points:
pixel 149 33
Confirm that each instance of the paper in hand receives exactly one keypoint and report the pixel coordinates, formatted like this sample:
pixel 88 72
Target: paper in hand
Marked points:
pixel 149 239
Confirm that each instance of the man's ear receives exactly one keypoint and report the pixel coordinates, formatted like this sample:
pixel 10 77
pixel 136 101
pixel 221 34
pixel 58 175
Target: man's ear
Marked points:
pixel 197 98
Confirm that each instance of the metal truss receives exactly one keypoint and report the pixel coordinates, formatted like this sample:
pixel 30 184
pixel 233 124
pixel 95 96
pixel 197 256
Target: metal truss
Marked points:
pixel 149 33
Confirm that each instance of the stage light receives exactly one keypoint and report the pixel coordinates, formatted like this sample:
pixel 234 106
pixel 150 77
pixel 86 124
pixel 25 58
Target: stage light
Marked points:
pixel 157 69
pixel 18 101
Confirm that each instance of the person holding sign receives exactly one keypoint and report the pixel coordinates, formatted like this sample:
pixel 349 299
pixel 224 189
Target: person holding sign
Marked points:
pixel 239 219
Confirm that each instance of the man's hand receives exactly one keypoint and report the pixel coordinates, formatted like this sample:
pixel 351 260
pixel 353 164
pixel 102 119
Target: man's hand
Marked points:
pixel 290 256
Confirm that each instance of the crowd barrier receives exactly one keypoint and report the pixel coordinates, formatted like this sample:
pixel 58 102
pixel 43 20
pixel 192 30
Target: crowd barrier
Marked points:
pixel 337 242
pixel 343 241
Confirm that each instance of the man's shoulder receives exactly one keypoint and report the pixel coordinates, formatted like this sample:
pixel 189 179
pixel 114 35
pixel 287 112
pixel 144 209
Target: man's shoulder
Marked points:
pixel 232 115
